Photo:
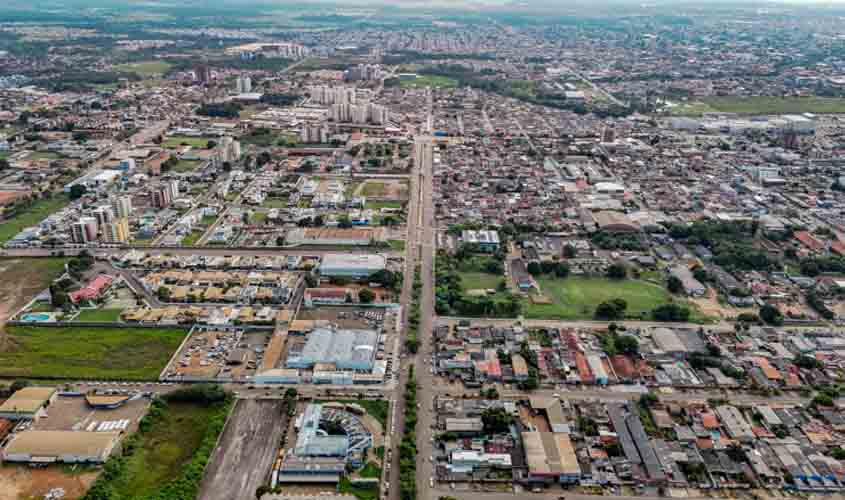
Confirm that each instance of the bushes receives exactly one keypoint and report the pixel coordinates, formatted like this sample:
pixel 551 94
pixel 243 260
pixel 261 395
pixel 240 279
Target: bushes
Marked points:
pixel 671 312
pixel 186 486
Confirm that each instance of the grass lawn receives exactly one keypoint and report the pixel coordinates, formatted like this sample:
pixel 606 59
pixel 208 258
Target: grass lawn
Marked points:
pixel 102 315
pixel 693 108
pixel 208 220
pixel 430 81
pixel 166 448
pixel 360 492
pixel 185 166
pixel 378 205
pixel 577 297
pixel 377 408
pixel 397 245
pixel 775 105
pixel 43 155
pixel 145 68
pixel 177 140
pixel 374 189
pixel 479 281
pixel 370 470
pixel 275 203
pixel 191 239
pixel 82 353
pixel 258 218
pixel 31 216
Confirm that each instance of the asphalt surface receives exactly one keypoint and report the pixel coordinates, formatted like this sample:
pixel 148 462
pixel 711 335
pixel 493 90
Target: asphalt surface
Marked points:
pixel 246 450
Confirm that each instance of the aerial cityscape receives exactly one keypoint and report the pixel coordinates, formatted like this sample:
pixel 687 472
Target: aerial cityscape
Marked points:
pixel 361 250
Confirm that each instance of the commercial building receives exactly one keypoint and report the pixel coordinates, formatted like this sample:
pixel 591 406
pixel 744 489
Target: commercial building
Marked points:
pixel 45 447
pixel 668 342
pixel 334 236
pixel 488 241
pixel 734 423
pixel 345 349
pixel 691 285
pixel 550 457
pixel 29 403
pixel 243 84
pixel 352 265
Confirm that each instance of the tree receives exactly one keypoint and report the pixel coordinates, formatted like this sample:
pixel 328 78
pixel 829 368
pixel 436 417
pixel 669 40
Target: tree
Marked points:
pixel 617 271
pixel 496 421
pixel 627 344
pixel 823 400
pixel 675 285
pixel 569 251
pixel 534 269
pixel 366 296
pixel 77 191
pixel 808 362
pixel 700 274
pixel 771 315
pixel 344 222
pixel 670 312
pixel 838 453
pixel 611 310
pixel 648 400
pixel 280 241
pixel 4 164
pixel 493 266
pixel 18 385
pixel 562 270
pixel 261 491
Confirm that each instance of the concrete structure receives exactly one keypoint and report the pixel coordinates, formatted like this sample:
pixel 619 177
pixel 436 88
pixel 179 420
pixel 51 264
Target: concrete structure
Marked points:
pixel 551 456
pixel 734 423
pixel 46 447
pixel 487 240
pixel 117 231
pixel 345 349
pixel 351 265
pixel 29 403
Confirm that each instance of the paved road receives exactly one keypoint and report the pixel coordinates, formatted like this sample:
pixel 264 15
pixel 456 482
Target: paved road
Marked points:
pixel 246 451
pixel 542 323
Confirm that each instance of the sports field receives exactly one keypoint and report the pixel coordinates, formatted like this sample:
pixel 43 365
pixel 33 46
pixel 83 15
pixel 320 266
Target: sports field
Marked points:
pixel 577 297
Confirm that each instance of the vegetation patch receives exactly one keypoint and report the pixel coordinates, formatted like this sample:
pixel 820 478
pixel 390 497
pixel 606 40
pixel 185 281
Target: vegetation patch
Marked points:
pixel 99 315
pixel 29 214
pixel 88 353
pixel 577 297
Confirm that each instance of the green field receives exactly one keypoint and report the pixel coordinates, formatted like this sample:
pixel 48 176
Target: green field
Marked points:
pixel 165 449
pixel 378 205
pixel 85 353
pixel 99 315
pixel 191 239
pixel 762 105
pixel 577 297
pixel 31 216
pixel 43 155
pixel 183 166
pixel 397 245
pixel 370 470
pixel 275 203
pixel 430 81
pixel 145 68
pixel 374 189
pixel 177 140
pixel 479 281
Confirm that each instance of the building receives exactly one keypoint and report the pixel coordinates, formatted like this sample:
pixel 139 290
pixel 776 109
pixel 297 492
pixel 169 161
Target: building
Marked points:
pixel 127 165
pixel 734 423
pixel 334 236
pixel 325 296
pixel 84 230
pixel 45 447
pixel 92 290
pixel 202 73
pixel 104 215
pixel 117 231
pixel 122 206
pixel 615 222
pixel 243 85
pixel 345 349
pixel 29 403
pixel 668 342
pixel 161 197
pixel 352 265
pixel 550 457
pixel 488 241
pixel 691 285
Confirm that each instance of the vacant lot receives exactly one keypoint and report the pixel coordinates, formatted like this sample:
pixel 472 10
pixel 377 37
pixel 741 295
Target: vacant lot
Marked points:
pixel 479 281
pixel 30 216
pixel 773 105
pixel 145 68
pixel 430 81
pixel 183 166
pixel 241 463
pixel 86 353
pixel 22 482
pixel 22 279
pixel 166 448
pixel 179 140
pixel 577 297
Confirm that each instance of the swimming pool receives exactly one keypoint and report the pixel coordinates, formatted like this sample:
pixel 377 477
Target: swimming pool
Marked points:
pixel 35 317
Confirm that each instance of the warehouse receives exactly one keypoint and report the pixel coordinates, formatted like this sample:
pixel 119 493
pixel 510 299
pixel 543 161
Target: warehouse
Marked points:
pixel 345 349
pixel 352 266
pixel 334 236
pixel 60 446
pixel 29 403
pixel 734 423
pixel 668 342
pixel 551 456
